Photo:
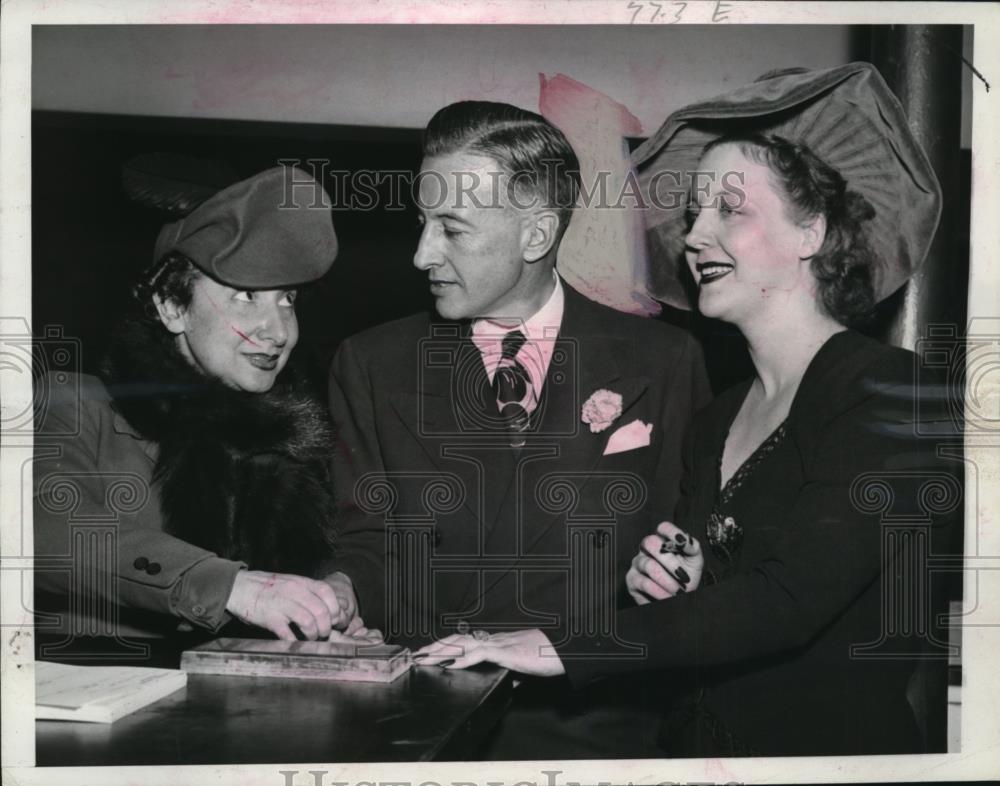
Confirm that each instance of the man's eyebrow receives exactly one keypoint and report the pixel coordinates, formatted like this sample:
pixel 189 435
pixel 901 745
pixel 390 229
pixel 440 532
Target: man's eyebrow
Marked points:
pixel 450 217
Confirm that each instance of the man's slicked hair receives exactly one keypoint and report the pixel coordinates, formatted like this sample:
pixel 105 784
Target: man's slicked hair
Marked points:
pixel 528 148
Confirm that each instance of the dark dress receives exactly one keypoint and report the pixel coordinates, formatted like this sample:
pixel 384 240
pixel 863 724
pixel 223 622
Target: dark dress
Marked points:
pixel 800 641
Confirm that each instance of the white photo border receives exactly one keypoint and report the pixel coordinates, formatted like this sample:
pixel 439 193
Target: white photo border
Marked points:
pixel 980 725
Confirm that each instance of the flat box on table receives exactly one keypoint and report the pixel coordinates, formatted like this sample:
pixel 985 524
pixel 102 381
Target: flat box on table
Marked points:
pixel 310 660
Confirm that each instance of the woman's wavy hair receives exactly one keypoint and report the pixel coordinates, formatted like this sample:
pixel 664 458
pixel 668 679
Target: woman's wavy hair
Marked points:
pixel 171 278
pixel 845 264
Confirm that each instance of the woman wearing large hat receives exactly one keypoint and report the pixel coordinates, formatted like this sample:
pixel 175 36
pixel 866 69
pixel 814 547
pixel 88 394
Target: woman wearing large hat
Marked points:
pixel 769 605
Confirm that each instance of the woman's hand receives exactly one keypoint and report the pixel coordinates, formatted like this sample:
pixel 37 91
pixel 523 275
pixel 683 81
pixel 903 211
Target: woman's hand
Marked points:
pixel 276 600
pixel 343 588
pixel 523 651
pixel 669 562
pixel 361 638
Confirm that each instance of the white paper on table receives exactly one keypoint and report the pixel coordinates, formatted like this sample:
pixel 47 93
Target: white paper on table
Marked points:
pixel 99 694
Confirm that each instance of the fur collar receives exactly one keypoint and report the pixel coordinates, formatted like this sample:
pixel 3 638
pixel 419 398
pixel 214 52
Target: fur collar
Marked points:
pixel 163 397
pixel 245 475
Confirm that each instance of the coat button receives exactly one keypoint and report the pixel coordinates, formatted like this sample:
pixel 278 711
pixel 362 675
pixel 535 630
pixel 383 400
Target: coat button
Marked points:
pixel 198 610
pixel 153 568
pixel 140 563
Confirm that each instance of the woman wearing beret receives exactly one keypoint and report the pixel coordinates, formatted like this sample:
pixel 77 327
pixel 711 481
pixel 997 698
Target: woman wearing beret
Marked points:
pixel 769 609
pixel 197 438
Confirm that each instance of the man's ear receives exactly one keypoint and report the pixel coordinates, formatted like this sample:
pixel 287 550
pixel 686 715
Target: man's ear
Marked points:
pixel 171 314
pixel 541 235
pixel 813 235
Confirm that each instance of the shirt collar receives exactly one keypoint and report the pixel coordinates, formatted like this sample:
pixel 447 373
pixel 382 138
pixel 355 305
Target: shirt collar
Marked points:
pixel 541 331
pixel 543 324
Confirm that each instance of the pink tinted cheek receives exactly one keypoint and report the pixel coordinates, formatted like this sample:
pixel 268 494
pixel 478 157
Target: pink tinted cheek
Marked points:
pixel 236 330
pixel 243 335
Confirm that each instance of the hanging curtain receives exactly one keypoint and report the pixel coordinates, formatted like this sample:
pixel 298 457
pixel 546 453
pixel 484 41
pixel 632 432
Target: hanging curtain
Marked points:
pixel 603 253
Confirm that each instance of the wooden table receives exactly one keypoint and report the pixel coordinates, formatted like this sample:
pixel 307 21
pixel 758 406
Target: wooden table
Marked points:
pixel 428 713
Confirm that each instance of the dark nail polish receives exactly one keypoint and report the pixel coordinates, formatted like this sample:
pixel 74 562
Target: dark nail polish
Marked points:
pixel 448 662
pixel 682 575
pixel 420 655
pixel 664 548
pixel 680 538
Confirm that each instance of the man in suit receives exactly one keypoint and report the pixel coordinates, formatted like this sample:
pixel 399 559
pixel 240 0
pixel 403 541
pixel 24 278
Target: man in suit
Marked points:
pixel 497 467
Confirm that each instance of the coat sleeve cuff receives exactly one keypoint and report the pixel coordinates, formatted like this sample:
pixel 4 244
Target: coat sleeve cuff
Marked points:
pixel 583 664
pixel 201 595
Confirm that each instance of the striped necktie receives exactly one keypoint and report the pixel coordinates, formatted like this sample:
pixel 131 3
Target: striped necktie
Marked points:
pixel 512 386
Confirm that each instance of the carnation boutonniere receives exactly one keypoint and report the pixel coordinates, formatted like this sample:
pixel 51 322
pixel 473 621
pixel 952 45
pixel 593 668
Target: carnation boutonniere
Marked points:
pixel 601 409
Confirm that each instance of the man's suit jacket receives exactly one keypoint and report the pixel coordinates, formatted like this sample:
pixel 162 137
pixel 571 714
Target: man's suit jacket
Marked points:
pixel 445 527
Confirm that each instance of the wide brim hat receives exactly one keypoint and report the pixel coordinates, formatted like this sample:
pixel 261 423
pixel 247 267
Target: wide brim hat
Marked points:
pixel 845 115
pixel 270 231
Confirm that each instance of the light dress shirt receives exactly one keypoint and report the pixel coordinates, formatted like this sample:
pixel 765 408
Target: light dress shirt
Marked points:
pixel 541 331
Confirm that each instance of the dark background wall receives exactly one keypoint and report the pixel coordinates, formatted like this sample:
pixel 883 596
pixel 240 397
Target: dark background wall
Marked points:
pixel 355 98
pixel 90 240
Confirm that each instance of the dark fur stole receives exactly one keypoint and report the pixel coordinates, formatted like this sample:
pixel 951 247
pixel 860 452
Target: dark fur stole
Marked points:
pixel 245 475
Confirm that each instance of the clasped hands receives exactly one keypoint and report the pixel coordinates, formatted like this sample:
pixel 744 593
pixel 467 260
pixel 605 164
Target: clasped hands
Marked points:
pixel 669 563
pixel 326 609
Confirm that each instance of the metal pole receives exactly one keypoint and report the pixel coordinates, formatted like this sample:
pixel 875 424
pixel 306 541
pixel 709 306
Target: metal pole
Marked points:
pixel 923 66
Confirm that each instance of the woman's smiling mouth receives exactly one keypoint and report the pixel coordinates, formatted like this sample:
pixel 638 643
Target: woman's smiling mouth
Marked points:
pixel 712 271
pixel 263 361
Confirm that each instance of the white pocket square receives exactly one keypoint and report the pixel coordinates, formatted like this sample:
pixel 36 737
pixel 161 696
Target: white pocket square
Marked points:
pixel 629 437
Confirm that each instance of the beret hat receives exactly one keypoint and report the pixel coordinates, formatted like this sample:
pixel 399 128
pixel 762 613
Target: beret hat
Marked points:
pixel 269 231
pixel 845 115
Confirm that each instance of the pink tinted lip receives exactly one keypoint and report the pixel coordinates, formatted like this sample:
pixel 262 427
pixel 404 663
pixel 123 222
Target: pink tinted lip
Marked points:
pixel 704 278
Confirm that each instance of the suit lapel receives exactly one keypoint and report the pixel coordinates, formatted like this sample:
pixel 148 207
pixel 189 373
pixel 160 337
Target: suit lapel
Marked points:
pixel 441 414
pixel 596 356
pixel 449 396
pixel 604 360
pixel 150 448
